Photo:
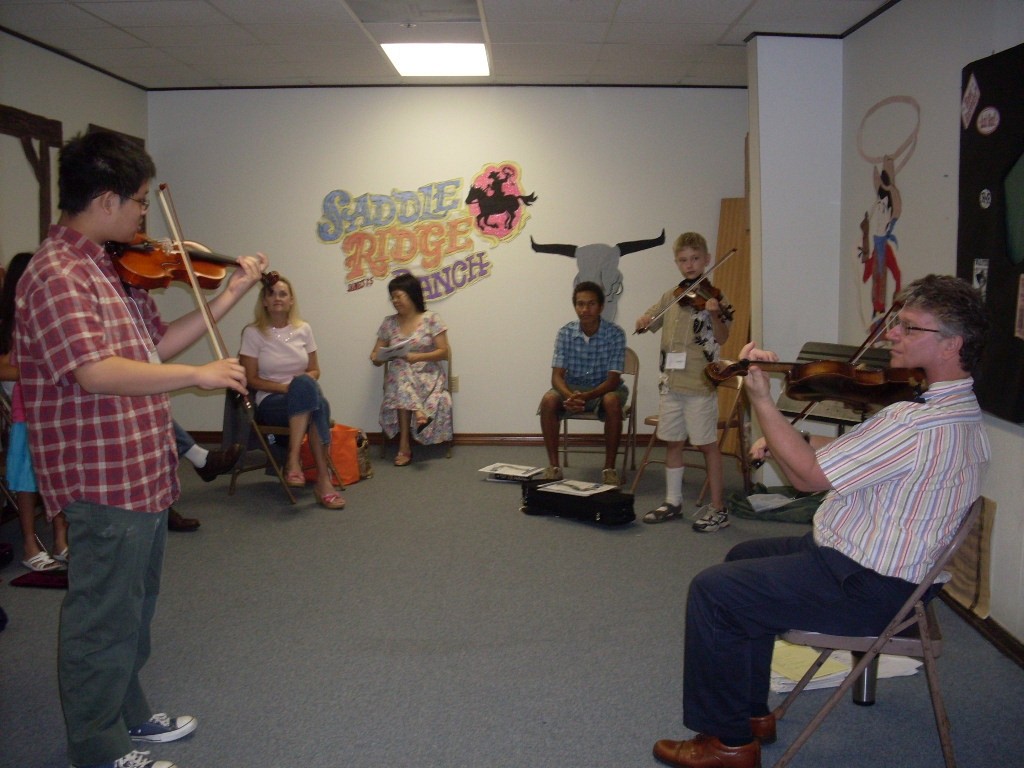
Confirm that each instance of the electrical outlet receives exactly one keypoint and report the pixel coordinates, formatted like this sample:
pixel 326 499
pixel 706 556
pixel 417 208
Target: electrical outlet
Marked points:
pixel 454 383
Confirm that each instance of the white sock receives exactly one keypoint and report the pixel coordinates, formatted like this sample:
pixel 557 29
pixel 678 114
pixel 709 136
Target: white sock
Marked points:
pixel 197 455
pixel 674 485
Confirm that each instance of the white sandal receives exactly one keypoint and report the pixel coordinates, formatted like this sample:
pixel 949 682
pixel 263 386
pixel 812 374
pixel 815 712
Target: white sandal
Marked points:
pixel 42 563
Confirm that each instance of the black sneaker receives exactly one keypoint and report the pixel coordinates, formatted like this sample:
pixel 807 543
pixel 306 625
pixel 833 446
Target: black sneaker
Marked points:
pixel 160 728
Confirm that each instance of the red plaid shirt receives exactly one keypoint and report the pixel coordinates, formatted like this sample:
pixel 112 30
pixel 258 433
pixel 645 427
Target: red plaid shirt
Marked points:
pixel 113 450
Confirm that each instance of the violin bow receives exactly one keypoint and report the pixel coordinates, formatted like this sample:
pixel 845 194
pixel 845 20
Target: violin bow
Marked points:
pixel 854 358
pixel 171 217
pixel 689 288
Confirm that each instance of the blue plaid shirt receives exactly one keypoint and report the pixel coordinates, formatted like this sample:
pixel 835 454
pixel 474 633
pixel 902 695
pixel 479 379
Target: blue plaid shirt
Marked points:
pixel 588 359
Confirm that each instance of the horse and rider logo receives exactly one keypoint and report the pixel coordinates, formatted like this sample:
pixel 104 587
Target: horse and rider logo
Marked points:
pixel 497 203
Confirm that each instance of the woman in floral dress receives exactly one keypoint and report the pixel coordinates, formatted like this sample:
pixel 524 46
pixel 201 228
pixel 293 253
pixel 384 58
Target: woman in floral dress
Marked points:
pixel 416 399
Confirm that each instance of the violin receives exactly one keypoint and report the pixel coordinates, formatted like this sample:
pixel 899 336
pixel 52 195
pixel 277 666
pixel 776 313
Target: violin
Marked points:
pixel 832 380
pixel 146 263
pixel 697 291
pixel 692 293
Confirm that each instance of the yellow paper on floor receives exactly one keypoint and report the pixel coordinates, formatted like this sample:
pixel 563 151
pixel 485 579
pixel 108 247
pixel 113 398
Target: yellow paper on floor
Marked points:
pixel 793 661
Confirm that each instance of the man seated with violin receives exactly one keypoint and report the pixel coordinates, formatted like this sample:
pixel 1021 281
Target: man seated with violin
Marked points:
pixel 898 487
pixel 90 354
pixel 586 375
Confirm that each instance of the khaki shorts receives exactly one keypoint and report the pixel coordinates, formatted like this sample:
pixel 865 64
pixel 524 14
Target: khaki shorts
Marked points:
pixel 688 416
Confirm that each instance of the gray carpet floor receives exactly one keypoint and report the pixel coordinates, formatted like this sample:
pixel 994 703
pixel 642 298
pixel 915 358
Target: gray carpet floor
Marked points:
pixel 432 624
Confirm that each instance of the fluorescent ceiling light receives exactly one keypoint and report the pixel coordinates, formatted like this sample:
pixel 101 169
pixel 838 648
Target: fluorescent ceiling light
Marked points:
pixel 438 59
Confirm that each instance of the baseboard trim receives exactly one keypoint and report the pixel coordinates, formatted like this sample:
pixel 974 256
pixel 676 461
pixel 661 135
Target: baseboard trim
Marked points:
pixel 469 438
pixel 1006 643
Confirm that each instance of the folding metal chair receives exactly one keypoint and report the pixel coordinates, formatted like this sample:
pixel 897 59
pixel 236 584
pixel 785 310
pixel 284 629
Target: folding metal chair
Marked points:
pixel 628 442
pixel 913 631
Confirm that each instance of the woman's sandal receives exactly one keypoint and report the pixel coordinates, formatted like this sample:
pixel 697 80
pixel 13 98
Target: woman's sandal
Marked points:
pixel 295 479
pixel 402 458
pixel 421 425
pixel 41 562
pixel 332 500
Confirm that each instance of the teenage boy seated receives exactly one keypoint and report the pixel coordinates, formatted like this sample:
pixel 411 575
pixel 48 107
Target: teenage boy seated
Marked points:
pixel 586 371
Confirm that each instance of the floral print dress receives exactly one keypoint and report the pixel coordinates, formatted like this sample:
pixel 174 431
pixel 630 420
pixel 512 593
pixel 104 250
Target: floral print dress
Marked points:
pixel 416 386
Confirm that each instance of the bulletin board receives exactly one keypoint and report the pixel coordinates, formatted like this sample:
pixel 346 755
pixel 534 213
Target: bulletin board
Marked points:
pixel 990 240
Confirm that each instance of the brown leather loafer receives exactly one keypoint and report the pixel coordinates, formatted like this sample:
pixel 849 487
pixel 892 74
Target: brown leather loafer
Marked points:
pixel 219 461
pixel 707 752
pixel 763 728
pixel 175 522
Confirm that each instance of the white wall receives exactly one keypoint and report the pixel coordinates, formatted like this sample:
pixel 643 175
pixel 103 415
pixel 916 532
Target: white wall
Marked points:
pixel 797 86
pixel 38 82
pixel 249 170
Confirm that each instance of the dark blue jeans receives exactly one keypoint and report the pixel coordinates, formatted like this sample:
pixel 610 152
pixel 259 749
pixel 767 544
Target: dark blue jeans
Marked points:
pixel 767 586
pixel 182 439
pixel 303 396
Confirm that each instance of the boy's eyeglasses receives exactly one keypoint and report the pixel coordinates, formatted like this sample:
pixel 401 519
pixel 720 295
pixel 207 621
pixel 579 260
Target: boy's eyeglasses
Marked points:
pixel 143 202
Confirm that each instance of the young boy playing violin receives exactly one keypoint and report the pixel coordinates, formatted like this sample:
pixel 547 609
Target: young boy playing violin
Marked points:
pixel 691 337
pixel 89 351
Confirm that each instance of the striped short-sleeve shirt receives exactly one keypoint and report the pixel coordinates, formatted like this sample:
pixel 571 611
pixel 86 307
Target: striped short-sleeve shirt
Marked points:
pixel 902 481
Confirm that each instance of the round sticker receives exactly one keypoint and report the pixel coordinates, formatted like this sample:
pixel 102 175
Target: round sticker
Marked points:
pixel 988 121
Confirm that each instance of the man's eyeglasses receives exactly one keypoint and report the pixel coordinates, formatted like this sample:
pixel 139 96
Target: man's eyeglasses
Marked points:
pixel 896 321
pixel 143 202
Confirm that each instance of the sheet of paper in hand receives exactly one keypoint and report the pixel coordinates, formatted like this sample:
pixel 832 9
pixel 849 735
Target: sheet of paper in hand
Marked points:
pixel 397 349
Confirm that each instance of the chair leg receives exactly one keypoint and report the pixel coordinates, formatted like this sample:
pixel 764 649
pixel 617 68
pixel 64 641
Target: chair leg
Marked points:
pixel 251 413
pixel 780 711
pixel 643 462
pixel 864 690
pixel 932 676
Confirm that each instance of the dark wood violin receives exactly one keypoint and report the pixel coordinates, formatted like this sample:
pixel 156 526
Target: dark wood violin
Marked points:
pixel 148 264
pixel 853 385
pixel 690 293
pixel 696 291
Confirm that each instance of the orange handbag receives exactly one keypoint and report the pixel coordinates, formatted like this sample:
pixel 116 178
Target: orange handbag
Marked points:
pixel 348 453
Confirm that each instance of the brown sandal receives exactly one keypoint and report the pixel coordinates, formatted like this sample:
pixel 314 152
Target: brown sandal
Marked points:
pixel 403 458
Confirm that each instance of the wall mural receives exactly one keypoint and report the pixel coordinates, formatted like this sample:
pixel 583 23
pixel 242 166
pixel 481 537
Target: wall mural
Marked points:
pixel 599 263
pixel 878 249
pixel 438 231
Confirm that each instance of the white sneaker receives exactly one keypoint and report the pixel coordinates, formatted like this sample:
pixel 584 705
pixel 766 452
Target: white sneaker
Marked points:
pixel 135 760
pixel 710 519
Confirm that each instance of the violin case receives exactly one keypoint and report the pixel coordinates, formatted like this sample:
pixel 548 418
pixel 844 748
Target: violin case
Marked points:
pixel 606 508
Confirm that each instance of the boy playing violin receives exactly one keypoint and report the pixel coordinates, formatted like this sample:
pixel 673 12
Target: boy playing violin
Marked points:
pixel 691 337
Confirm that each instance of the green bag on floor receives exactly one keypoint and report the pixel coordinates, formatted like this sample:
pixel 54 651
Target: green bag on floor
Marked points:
pixel 771 505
